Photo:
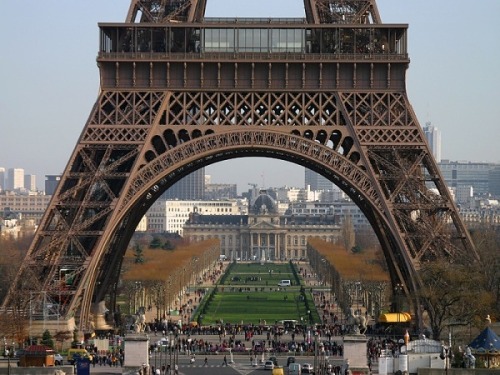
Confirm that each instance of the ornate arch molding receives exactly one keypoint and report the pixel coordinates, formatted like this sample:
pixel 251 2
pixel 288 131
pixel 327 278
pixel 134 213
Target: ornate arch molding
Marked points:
pixel 239 143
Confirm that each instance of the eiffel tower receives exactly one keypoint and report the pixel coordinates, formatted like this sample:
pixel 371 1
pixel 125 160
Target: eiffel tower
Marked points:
pixel 179 91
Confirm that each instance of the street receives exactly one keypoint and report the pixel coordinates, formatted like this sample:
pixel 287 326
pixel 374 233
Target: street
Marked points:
pixel 214 365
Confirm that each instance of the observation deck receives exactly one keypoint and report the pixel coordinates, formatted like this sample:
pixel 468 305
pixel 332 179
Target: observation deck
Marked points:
pixel 253 39
pixel 255 54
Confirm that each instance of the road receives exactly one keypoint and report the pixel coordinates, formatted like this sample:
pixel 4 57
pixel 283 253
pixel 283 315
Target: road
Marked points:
pixel 241 366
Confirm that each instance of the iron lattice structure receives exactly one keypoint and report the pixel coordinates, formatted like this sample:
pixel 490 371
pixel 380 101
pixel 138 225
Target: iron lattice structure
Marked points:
pixel 179 92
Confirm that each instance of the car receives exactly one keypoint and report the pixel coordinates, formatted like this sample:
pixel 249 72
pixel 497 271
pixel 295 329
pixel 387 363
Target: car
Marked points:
pixel 58 359
pixel 274 360
pixel 307 368
pixel 163 343
pixel 290 360
pixel 269 365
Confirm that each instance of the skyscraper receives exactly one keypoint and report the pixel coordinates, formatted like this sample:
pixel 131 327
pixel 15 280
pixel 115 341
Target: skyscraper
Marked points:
pixel 2 178
pixel 30 182
pixel 433 136
pixel 190 187
pixel 317 181
pixel 15 179
pixel 51 182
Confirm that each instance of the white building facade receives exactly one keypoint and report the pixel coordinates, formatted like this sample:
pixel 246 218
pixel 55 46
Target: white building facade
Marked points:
pixel 171 215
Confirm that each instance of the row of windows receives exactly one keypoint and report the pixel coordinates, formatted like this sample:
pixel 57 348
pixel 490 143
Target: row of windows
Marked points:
pixel 269 39
pixel 228 240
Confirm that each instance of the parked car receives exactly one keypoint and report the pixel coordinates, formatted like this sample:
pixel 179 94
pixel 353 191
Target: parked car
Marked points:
pixel 307 368
pixel 58 359
pixel 268 365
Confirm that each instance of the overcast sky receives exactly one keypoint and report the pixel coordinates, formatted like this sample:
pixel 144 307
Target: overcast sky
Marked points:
pixel 49 78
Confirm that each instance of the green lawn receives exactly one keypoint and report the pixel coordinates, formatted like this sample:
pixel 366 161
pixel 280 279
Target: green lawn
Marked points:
pixel 249 293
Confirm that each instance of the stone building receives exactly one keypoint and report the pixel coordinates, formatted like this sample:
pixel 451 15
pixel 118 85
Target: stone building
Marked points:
pixel 264 234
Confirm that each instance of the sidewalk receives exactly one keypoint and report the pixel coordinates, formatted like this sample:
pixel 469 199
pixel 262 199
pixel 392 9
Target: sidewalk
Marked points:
pixel 188 300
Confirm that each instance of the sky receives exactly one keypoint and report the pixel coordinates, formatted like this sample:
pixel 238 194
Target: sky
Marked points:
pixel 50 80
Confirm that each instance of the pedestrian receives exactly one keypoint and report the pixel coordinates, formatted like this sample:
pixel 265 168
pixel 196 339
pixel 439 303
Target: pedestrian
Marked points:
pixel 206 362
pixel 224 362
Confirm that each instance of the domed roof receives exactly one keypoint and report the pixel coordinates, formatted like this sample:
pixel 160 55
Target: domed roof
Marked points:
pixel 264 204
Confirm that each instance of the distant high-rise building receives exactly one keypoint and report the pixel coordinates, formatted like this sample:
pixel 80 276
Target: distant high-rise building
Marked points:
pixel 190 187
pixel 495 181
pixel 317 181
pixel 2 178
pixel 459 174
pixel 15 179
pixel 433 136
pixel 30 182
pixel 51 182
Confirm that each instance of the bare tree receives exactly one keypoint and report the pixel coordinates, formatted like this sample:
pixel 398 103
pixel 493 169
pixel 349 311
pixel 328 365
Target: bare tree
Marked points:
pixel 348 235
pixel 487 241
pixel 452 294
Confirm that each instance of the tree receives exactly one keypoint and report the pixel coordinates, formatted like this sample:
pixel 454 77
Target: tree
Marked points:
pixel 138 254
pixel 14 323
pixel 155 243
pixel 168 245
pixel 62 336
pixel 487 242
pixel 348 235
pixel 47 339
pixel 451 294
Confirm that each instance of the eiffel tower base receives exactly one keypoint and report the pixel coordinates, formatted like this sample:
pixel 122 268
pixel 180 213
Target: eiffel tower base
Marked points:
pixel 355 354
pixel 38 327
pixel 136 354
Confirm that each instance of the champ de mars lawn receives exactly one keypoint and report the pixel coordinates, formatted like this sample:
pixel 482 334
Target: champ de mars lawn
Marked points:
pixel 249 293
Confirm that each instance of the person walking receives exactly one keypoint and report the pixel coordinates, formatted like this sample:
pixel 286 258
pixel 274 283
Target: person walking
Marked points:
pixel 224 362
pixel 206 362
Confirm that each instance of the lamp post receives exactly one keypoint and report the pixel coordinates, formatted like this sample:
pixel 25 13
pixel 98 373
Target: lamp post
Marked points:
pixel 170 345
pixel 398 288
pixel 7 353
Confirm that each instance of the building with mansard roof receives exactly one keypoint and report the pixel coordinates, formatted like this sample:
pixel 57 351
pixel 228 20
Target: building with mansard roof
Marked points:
pixel 263 234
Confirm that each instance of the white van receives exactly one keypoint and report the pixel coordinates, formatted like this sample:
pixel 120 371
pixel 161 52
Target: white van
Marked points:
pixel 285 283
pixel 294 369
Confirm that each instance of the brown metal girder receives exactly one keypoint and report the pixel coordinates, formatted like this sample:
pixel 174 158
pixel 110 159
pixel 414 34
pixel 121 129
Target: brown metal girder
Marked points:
pixel 368 6
pixel 79 290
pixel 311 10
pixel 116 217
pixel 135 6
pixel 406 177
pixel 424 231
pixel 381 161
pixel 100 176
pixel 430 236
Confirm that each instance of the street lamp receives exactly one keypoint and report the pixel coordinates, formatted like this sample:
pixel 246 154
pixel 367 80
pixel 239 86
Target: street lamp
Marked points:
pixel 7 353
pixel 398 289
